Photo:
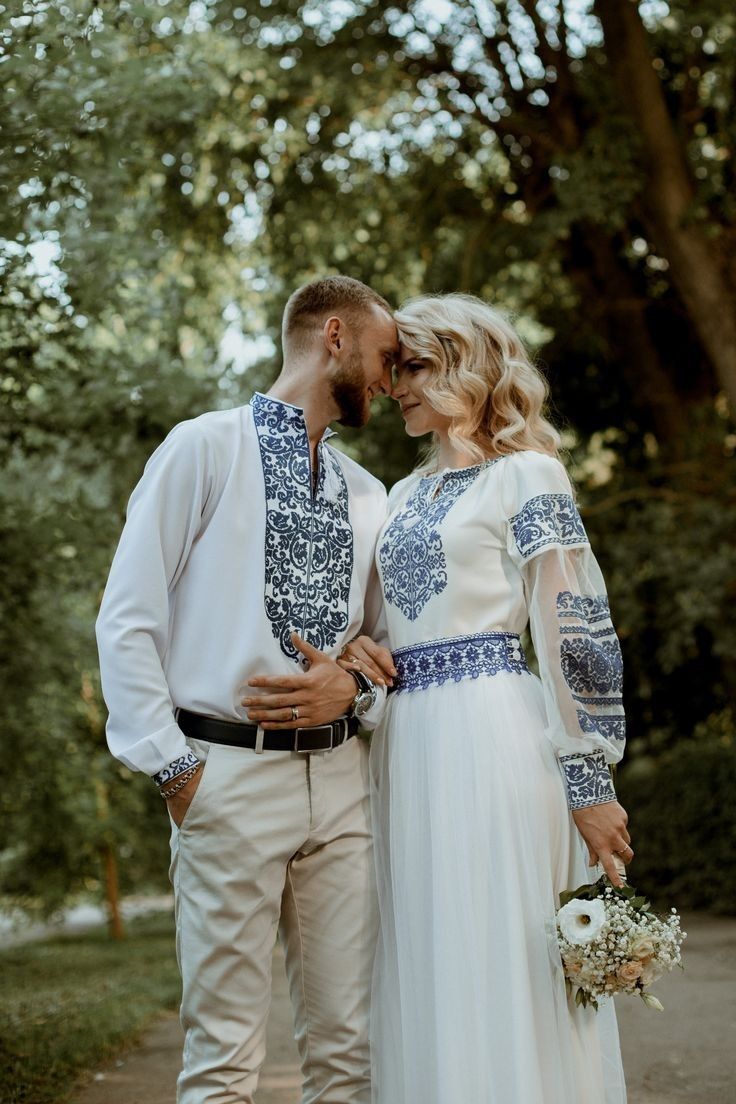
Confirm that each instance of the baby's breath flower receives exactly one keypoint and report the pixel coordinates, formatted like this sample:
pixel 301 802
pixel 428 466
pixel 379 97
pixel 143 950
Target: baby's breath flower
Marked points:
pixel 609 947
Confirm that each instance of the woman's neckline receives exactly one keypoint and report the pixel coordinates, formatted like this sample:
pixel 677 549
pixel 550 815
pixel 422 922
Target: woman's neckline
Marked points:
pixel 468 467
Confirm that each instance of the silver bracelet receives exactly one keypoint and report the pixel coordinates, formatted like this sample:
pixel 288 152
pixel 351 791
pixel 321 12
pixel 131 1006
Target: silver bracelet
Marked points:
pixel 180 782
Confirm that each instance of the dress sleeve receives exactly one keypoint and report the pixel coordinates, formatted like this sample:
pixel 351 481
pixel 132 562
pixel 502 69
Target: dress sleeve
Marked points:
pixel 374 620
pixel 574 639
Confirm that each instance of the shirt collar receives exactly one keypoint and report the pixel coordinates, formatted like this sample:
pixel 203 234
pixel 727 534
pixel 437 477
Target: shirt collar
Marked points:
pixel 298 412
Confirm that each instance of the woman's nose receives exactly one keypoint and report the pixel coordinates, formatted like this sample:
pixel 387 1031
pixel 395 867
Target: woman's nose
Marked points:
pixel 398 389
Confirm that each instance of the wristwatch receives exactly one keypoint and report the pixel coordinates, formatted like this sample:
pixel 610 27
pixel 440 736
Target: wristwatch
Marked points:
pixel 365 699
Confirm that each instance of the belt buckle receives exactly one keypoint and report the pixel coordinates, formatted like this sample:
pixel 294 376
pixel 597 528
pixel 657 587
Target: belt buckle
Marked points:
pixel 315 728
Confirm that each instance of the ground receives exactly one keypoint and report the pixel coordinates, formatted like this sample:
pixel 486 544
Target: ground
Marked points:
pixel 687 1053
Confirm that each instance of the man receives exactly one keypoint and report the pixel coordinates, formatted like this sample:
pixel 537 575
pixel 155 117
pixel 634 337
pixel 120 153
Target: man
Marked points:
pixel 245 566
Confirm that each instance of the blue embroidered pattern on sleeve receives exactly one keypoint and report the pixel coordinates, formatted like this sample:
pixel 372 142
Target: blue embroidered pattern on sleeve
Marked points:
pixel 588 780
pixel 546 520
pixel 590 658
pixel 309 539
pixel 175 768
pixel 413 564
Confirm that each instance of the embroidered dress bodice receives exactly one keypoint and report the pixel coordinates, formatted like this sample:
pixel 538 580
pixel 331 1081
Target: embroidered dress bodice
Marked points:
pixel 469 558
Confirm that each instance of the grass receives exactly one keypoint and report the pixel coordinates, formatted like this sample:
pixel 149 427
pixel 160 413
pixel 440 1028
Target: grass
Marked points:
pixel 68 1004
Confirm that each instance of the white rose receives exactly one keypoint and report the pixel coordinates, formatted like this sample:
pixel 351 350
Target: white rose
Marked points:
pixel 581 921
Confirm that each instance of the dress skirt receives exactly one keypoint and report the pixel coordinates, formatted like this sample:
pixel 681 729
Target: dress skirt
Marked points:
pixel 474 843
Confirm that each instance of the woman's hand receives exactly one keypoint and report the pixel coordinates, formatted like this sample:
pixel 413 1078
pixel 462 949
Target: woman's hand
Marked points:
pixel 603 827
pixel 362 654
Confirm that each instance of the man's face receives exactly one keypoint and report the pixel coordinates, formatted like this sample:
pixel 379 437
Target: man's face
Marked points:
pixel 366 369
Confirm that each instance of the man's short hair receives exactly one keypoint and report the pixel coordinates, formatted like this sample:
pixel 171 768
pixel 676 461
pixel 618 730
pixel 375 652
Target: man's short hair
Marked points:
pixel 311 305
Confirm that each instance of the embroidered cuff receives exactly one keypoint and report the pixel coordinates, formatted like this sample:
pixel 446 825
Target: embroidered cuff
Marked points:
pixel 173 770
pixel 588 780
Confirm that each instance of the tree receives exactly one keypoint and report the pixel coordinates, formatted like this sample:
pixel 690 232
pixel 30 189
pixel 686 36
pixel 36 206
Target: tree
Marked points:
pixel 170 173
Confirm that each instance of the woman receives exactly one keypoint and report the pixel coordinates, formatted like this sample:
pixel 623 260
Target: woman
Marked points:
pixel 487 778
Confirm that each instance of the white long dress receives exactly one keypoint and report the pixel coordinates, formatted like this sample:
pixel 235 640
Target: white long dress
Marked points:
pixel 474 770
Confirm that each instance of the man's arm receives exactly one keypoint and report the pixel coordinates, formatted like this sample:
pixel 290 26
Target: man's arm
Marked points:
pixel 164 517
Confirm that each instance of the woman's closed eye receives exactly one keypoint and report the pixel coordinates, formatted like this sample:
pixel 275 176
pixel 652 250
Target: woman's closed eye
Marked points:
pixel 410 366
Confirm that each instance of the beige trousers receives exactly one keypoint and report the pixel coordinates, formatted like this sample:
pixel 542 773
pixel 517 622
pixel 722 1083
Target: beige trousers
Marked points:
pixel 275 841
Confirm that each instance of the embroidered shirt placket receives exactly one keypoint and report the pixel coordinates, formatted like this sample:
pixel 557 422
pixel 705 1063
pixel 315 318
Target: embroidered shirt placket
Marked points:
pixel 313 484
pixel 301 518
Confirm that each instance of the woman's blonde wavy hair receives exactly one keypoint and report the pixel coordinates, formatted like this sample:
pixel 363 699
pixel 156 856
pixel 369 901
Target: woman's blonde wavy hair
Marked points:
pixel 482 376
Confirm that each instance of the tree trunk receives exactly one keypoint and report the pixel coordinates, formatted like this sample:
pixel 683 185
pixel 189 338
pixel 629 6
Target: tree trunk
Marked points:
pixel 698 270
pixel 628 332
pixel 112 895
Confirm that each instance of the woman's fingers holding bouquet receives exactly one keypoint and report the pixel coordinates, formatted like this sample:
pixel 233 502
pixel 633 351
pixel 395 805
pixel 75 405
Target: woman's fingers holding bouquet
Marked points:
pixel 603 827
pixel 363 654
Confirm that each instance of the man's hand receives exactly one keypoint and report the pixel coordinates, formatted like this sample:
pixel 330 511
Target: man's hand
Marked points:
pixel 363 654
pixel 316 697
pixel 180 802
pixel 603 827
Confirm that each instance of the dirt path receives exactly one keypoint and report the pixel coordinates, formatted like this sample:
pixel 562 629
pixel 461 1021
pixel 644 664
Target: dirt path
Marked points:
pixel 687 1053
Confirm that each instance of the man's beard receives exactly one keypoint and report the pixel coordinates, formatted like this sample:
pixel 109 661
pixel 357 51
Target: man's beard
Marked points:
pixel 348 391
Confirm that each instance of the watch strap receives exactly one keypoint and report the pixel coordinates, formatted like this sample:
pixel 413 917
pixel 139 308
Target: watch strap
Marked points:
pixel 365 686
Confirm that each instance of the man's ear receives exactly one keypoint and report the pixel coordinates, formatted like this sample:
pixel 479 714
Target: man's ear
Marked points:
pixel 334 334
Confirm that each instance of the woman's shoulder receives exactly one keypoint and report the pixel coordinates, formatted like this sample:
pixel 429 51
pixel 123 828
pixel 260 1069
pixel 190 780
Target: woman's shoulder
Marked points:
pixel 528 475
pixel 529 466
pixel 530 462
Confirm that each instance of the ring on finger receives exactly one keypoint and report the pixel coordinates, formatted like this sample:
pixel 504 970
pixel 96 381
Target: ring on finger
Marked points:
pixel 294 713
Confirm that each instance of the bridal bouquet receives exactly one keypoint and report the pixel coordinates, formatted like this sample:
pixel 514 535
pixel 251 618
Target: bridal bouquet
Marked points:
pixel 611 942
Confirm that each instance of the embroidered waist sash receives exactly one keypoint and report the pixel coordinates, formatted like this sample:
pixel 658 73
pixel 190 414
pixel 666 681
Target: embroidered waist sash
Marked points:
pixel 455 658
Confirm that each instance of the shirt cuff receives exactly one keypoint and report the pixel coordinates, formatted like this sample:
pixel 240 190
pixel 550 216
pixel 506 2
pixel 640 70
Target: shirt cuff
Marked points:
pixel 175 768
pixel 588 780
pixel 372 716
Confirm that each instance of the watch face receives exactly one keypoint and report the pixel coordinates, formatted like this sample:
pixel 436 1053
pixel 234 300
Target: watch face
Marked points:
pixel 362 704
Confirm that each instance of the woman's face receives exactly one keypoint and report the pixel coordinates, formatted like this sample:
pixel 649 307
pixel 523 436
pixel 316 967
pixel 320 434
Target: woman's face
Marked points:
pixel 411 377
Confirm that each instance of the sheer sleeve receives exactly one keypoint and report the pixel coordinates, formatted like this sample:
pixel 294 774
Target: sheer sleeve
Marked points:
pixel 574 639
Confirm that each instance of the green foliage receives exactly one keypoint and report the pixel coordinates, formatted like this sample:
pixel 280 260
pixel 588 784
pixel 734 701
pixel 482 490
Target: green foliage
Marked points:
pixel 171 172
pixel 682 819
pixel 664 534
pixel 70 1003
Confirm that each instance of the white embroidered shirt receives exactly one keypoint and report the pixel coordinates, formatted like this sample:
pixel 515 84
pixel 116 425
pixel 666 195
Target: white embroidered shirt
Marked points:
pixel 226 551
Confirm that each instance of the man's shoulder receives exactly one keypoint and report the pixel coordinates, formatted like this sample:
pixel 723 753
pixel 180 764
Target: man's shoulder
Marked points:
pixel 358 476
pixel 214 429
pixel 212 423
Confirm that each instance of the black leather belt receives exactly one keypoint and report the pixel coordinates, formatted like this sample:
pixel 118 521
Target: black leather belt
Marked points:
pixel 303 740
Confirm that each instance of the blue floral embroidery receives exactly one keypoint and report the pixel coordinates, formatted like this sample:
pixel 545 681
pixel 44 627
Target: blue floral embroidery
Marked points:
pixel 613 728
pixel 588 608
pixel 175 768
pixel 545 520
pixel 588 780
pixel 592 666
pixel 309 538
pixel 590 658
pixel 454 658
pixel 412 561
